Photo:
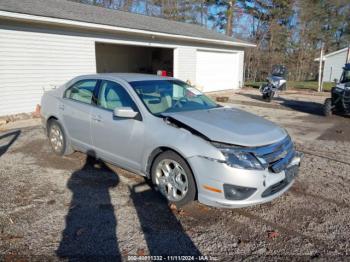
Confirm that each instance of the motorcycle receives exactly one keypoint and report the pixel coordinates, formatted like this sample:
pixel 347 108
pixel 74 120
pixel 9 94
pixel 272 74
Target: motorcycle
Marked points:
pixel 276 81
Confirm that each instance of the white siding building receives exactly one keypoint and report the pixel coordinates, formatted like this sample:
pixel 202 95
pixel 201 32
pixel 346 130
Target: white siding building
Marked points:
pixel 44 43
pixel 333 64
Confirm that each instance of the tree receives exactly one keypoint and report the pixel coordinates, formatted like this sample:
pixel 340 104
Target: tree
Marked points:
pixel 289 32
pixel 223 14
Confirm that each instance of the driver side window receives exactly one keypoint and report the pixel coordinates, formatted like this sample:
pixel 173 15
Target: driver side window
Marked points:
pixel 113 95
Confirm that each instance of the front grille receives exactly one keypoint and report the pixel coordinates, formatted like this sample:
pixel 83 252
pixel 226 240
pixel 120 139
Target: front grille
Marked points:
pixel 275 188
pixel 276 156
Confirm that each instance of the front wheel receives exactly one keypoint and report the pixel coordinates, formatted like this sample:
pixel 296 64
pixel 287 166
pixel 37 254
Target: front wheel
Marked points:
pixel 269 96
pixel 327 107
pixel 173 178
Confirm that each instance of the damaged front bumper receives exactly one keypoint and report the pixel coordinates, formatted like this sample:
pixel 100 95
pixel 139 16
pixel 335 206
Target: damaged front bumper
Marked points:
pixel 220 185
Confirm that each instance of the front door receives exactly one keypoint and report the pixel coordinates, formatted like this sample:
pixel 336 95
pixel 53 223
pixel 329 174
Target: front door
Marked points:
pixel 75 111
pixel 116 139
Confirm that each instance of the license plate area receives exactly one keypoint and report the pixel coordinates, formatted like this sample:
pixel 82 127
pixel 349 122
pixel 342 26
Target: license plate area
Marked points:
pixel 291 172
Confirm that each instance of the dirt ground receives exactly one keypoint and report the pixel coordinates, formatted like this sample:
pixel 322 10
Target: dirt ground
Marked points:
pixel 77 207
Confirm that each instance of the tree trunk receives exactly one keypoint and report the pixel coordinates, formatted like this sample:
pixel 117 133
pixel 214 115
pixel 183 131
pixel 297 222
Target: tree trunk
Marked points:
pixel 229 25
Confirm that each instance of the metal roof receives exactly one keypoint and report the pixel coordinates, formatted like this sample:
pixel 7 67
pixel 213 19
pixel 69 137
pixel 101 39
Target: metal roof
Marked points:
pixel 68 10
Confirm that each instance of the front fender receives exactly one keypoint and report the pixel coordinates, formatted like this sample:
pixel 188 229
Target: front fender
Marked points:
pixel 179 140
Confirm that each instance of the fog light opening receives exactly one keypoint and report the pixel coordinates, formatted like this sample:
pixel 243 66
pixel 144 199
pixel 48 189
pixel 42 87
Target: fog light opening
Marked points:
pixel 233 192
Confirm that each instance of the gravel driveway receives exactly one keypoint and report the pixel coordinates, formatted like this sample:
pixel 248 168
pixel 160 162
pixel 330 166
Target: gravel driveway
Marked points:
pixel 53 207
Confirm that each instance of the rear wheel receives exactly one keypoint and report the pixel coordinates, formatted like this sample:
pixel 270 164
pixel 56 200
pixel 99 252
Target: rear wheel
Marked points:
pixel 58 139
pixel 173 178
pixel 327 107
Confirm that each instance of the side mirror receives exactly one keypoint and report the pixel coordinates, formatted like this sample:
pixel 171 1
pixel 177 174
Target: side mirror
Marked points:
pixel 125 112
pixel 336 80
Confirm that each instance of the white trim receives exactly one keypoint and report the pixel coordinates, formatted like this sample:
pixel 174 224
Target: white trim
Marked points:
pixel 332 54
pixel 155 44
pixel 216 50
pixel 131 42
pixel 336 52
pixel 67 22
pixel 175 62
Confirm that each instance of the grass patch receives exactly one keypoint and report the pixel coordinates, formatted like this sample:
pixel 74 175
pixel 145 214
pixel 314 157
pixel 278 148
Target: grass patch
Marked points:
pixel 311 85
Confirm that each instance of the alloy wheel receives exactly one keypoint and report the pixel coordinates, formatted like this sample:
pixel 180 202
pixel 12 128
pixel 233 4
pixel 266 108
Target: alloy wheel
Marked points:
pixel 56 138
pixel 171 179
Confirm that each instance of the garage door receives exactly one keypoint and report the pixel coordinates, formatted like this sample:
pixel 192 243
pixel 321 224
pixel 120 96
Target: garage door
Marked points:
pixel 216 71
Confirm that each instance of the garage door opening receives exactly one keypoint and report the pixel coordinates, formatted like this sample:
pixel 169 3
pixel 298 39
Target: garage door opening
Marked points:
pixel 113 58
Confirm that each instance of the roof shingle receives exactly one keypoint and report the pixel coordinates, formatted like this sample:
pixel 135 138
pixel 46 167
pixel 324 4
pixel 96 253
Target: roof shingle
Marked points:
pixel 64 9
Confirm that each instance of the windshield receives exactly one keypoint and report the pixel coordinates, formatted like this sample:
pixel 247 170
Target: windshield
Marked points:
pixel 345 78
pixel 279 70
pixel 165 96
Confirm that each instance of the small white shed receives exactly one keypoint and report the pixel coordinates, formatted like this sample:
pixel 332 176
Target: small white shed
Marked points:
pixel 333 64
pixel 44 43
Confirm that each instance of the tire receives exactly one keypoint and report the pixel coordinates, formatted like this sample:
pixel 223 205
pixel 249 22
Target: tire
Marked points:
pixel 283 87
pixel 58 139
pixel 269 96
pixel 327 107
pixel 166 180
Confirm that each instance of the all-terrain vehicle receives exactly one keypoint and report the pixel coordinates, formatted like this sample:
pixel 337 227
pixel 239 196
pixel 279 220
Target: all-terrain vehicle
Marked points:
pixel 339 103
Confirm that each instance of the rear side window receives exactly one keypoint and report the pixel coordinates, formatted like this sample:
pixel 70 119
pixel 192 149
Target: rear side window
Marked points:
pixel 82 91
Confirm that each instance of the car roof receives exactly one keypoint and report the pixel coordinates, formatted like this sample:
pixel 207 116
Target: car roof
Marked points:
pixel 128 77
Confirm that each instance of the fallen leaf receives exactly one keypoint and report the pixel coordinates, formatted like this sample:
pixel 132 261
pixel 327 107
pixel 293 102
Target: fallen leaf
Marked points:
pixel 181 212
pixel 173 207
pixel 272 234
pixel 141 252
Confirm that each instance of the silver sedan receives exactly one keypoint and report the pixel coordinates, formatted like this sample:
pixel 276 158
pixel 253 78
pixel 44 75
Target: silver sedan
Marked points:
pixel 163 129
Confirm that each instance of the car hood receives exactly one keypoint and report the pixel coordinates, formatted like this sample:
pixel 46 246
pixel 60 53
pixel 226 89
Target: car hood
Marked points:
pixel 231 126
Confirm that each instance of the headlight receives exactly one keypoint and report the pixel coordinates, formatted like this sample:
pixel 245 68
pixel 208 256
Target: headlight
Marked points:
pixel 238 158
pixel 241 159
pixel 338 89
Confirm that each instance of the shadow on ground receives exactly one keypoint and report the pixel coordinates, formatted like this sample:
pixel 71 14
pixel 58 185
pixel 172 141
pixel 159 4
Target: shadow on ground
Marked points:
pixel 163 232
pixel 309 107
pixel 91 224
pixel 11 137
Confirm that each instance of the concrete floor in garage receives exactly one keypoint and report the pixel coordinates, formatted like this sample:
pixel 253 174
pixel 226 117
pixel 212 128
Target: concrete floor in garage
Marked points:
pixel 53 207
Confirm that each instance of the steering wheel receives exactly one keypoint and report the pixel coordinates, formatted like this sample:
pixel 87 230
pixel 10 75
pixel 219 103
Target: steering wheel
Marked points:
pixel 178 102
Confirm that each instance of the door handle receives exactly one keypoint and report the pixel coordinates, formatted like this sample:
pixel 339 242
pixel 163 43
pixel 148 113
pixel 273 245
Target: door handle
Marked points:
pixel 97 118
pixel 61 107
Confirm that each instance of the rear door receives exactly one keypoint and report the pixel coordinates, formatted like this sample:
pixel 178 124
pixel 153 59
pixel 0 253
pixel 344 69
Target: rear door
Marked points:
pixel 75 111
pixel 118 140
